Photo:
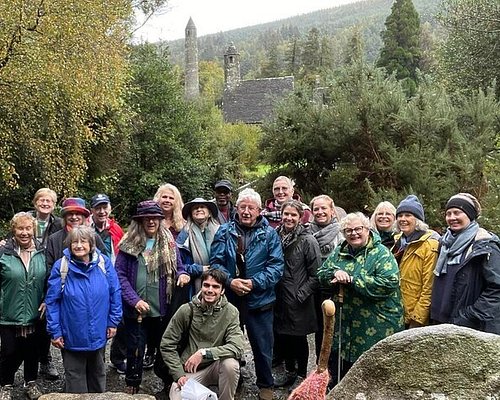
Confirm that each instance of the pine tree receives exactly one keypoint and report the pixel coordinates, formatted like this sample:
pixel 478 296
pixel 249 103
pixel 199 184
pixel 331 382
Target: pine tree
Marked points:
pixel 401 43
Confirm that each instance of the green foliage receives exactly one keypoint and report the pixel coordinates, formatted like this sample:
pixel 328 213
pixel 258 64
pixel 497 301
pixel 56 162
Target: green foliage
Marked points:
pixel 368 142
pixel 471 55
pixel 400 53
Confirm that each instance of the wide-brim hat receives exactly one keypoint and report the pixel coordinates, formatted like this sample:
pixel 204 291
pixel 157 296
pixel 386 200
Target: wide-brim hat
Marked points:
pixel 186 210
pixel 74 205
pixel 148 209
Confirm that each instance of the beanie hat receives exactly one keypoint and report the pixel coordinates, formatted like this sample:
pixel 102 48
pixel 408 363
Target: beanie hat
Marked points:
pixel 465 202
pixel 74 204
pixel 411 205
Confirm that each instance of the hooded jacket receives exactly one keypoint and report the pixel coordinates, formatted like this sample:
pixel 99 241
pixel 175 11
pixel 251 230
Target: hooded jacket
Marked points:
pixel 216 329
pixel 21 289
pixel 416 266
pixel 469 294
pixel 89 302
pixel 263 257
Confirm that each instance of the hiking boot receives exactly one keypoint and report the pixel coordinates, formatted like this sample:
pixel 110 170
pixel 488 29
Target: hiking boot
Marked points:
pixel 6 392
pixel 49 371
pixel 266 394
pixel 32 390
pixel 296 384
pixel 285 380
pixel 148 362
pixel 121 367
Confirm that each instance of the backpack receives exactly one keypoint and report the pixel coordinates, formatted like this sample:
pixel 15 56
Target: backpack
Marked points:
pixel 64 268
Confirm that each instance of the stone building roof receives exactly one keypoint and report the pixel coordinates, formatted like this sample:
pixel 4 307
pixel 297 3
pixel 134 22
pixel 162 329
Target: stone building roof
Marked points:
pixel 253 101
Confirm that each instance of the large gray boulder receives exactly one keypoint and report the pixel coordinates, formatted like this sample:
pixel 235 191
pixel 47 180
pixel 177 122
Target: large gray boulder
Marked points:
pixel 95 396
pixel 441 362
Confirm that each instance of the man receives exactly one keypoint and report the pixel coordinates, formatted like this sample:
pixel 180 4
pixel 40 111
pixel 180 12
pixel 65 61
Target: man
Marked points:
pixel 249 251
pixel 283 191
pixel 215 340
pixel 111 234
pixel 109 231
pixel 223 191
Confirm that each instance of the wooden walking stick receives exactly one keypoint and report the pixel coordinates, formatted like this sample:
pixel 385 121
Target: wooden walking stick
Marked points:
pixel 339 357
pixel 314 386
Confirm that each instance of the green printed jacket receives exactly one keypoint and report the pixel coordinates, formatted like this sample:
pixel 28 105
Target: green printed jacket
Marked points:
pixel 372 308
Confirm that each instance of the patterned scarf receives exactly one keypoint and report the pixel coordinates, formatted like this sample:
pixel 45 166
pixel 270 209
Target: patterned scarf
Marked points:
pixel 161 261
pixel 272 212
pixel 453 246
pixel 287 237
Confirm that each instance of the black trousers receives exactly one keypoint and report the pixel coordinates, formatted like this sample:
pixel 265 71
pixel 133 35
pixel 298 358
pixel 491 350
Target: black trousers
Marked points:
pixel 295 350
pixel 14 351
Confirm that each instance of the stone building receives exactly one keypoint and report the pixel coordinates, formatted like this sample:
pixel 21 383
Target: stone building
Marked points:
pixel 191 81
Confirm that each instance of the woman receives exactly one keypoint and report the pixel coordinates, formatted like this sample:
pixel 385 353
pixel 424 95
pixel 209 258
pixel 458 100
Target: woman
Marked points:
pixel 326 229
pixel 368 275
pixel 416 251
pixel 22 281
pixel 383 221
pixel 170 200
pixel 83 310
pixel 196 237
pixel 148 266
pixel 295 315
pixel 466 288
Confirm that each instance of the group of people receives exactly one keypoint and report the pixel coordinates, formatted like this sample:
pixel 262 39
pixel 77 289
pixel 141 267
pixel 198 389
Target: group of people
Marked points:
pixel 177 291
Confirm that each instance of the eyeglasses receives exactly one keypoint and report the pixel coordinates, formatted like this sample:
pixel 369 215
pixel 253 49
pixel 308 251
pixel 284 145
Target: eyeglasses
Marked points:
pixel 249 208
pixel 357 230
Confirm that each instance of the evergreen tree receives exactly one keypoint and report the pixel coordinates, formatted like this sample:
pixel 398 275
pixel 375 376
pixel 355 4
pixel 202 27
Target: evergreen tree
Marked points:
pixel 401 43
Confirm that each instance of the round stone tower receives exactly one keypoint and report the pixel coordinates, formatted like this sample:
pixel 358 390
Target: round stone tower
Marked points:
pixel 191 82
pixel 231 67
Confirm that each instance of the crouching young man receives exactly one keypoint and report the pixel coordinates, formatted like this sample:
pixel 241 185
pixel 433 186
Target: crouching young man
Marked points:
pixel 210 327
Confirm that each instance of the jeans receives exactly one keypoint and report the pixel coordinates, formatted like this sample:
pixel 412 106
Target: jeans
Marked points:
pixel 259 326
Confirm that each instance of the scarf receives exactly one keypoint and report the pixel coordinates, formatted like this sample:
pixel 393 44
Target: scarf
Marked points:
pixel 200 240
pixel 328 236
pixel 161 261
pixel 272 212
pixel 287 237
pixel 453 247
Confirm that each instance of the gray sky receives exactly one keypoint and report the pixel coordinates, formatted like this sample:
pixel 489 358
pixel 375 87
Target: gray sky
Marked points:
pixel 212 16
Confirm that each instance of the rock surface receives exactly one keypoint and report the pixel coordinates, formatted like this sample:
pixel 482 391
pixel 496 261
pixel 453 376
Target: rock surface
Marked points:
pixel 441 362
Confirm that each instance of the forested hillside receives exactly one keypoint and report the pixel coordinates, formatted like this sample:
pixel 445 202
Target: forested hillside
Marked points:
pixel 336 24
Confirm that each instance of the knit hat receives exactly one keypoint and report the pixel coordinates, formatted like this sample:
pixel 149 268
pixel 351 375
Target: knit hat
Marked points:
pixel 466 203
pixel 224 183
pixel 148 209
pixel 212 207
pixel 99 199
pixel 74 204
pixel 411 205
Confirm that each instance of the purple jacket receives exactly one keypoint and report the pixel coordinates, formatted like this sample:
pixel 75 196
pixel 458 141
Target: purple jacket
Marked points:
pixel 126 266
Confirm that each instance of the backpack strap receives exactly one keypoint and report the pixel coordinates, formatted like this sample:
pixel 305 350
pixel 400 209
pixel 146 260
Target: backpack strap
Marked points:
pixel 64 268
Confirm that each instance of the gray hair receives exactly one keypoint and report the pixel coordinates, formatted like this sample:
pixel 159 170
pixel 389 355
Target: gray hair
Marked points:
pixel 290 182
pixel 354 216
pixel 81 232
pixel 384 205
pixel 249 194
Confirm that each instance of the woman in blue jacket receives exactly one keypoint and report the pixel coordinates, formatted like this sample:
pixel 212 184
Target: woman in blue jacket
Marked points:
pixel 84 308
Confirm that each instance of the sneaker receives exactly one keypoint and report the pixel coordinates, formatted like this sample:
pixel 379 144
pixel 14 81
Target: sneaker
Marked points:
pixel 49 371
pixel 285 380
pixel 121 367
pixel 296 384
pixel 148 362
pixel 6 392
pixel 32 390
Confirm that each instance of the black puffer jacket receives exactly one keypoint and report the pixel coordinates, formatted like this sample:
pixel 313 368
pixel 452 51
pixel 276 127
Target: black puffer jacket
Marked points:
pixel 469 295
pixel 295 313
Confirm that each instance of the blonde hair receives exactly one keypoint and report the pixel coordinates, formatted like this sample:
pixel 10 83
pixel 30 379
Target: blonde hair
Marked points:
pixel 178 221
pixel 22 216
pixel 384 205
pixel 45 192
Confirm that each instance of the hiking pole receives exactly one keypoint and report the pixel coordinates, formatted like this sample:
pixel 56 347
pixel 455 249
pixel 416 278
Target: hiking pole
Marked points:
pixel 339 357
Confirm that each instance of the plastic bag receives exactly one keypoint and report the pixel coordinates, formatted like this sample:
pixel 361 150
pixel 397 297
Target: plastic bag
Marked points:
pixel 194 390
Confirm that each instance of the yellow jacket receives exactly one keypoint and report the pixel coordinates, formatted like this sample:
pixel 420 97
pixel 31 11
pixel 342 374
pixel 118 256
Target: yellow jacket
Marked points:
pixel 416 267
